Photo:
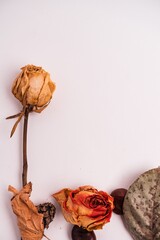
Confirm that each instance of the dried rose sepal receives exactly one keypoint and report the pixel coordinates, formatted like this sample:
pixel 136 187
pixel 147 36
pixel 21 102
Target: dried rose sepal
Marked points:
pixel 30 222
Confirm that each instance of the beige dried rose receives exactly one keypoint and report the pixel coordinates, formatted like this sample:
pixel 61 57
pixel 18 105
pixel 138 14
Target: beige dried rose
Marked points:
pixel 30 222
pixel 34 87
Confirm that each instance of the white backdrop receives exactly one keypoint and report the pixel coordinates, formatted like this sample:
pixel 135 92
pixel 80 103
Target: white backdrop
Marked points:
pixel 102 126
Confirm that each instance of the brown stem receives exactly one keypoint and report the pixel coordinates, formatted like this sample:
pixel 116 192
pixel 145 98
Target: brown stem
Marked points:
pixel 25 163
pixel 25 127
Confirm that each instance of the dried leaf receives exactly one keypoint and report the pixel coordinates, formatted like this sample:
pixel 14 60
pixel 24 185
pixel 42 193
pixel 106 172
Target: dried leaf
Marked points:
pixel 16 123
pixel 142 206
pixel 30 222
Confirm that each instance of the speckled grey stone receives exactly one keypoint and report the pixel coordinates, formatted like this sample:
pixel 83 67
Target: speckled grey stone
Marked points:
pixel 141 206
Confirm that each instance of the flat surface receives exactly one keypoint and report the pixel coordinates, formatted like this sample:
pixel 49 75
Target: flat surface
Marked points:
pixel 102 126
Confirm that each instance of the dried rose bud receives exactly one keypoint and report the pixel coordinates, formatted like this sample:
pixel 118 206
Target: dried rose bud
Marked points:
pixel 33 86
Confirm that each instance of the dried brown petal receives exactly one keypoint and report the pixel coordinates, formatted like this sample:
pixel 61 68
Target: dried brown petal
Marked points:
pixel 30 222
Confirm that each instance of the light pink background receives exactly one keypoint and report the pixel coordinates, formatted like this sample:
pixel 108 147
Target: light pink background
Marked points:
pixel 103 125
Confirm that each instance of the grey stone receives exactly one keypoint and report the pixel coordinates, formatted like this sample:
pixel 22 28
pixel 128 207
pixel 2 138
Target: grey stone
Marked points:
pixel 141 206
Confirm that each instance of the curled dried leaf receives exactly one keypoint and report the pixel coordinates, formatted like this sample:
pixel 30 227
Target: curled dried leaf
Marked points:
pixel 30 222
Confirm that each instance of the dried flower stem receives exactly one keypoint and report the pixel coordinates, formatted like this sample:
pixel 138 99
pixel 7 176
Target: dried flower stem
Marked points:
pixel 25 128
pixel 25 162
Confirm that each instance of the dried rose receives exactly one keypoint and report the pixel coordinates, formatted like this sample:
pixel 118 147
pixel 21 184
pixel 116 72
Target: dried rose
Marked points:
pixel 86 206
pixel 30 222
pixel 33 87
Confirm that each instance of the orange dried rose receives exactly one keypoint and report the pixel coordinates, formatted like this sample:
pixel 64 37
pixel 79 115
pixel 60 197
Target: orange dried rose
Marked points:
pixel 86 206
pixel 30 222
pixel 33 87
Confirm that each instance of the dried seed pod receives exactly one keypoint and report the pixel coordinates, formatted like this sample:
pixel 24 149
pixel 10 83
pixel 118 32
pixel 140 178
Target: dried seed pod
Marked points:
pixel 48 210
pixel 30 222
pixel 118 195
pixel 141 206
pixel 79 233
